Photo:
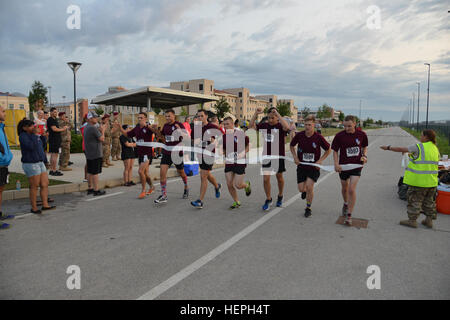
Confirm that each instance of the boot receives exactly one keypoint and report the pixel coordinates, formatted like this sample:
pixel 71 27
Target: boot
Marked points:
pixel 104 165
pixel 428 222
pixel 109 163
pixel 64 169
pixel 409 223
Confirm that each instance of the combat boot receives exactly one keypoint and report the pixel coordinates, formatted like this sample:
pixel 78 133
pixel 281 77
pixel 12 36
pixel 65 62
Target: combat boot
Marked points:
pixel 104 165
pixel 409 223
pixel 109 163
pixel 428 222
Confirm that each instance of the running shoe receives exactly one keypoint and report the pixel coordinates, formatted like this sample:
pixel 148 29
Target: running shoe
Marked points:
pixel 348 220
pixel 235 205
pixel 279 201
pixel 303 195
pixel 197 203
pixel 161 199
pixel 4 226
pixel 99 193
pixel 6 217
pixel 186 193
pixel 267 205
pixel 90 191
pixel 150 191
pixel 142 195
pixel 248 189
pixel 132 183
pixel 218 191
pixel 308 212
pixel 344 210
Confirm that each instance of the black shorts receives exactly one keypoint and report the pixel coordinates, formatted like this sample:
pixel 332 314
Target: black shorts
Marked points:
pixel 274 164
pixel 235 169
pixel 3 175
pixel 54 146
pixel 141 158
pixel 303 174
pixel 94 166
pixel 167 159
pixel 344 175
pixel 204 166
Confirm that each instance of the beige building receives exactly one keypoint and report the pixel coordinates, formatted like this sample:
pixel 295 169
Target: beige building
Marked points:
pixel 81 110
pixel 203 86
pixel 14 101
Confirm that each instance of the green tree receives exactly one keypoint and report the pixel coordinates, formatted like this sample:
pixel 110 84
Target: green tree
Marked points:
pixel 157 110
pixel 99 111
pixel 305 111
pixel 284 109
pixel 37 97
pixel 341 116
pixel 324 111
pixel 222 107
pixel 367 122
pixel 184 112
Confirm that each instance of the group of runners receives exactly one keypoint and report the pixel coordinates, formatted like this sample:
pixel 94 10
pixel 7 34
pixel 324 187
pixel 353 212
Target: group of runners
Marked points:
pixel 210 142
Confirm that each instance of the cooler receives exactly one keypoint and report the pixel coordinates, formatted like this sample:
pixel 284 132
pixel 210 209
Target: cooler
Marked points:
pixel 191 168
pixel 443 200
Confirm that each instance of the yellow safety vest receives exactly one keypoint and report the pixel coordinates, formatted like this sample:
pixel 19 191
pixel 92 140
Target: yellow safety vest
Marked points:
pixel 423 171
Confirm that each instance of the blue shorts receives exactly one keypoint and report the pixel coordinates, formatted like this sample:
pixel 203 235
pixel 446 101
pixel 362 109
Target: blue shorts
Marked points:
pixel 34 169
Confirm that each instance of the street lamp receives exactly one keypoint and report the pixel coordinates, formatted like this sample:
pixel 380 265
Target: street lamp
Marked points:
pixel 418 97
pixel 428 93
pixel 49 96
pixel 74 66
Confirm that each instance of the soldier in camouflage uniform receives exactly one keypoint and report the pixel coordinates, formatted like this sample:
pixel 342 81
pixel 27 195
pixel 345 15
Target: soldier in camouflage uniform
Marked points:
pixel 107 142
pixel 115 133
pixel 421 200
pixel 66 139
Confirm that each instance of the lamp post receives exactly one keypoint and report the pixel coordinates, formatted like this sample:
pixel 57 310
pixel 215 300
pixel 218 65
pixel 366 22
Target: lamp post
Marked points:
pixel 413 106
pixel 428 93
pixel 74 66
pixel 418 97
pixel 49 96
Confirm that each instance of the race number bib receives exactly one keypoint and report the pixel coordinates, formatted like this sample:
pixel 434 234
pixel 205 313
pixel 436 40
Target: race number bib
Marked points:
pixel 353 152
pixel 269 137
pixel 170 139
pixel 308 157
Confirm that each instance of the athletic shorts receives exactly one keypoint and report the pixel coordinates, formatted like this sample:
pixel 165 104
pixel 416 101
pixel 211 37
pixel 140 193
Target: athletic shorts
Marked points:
pixel 303 174
pixel 235 169
pixel 94 166
pixel 167 159
pixel 344 175
pixel 54 146
pixel 145 158
pixel 205 166
pixel 34 169
pixel 274 164
pixel 4 176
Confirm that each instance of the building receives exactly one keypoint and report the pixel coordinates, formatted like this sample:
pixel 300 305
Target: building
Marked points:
pixel 82 109
pixel 14 101
pixel 203 86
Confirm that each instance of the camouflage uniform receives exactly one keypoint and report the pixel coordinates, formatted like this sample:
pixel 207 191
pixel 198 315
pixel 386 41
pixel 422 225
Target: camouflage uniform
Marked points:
pixel 64 157
pixel 116 149
pixel 107 146
pixel 421 200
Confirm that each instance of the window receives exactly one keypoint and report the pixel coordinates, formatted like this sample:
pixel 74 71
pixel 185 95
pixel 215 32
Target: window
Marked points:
pixel 211 88
pixel 240 100
pixel 270 100
pixel 181 87
pixel 240 95
pixel 241 108
pixel 21 106
pixel 200 87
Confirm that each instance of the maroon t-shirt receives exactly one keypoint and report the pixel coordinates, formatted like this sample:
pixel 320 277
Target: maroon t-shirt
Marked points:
pixel 206 138
pixel 238 148
pixel 308 149
pixel 349 146
pixel 167 132
pixel 270 133
pixel 143 134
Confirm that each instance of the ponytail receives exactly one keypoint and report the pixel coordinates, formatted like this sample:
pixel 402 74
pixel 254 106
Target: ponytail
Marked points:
pixel 430 134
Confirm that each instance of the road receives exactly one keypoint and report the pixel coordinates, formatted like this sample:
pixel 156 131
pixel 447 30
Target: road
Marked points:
pixel 129 249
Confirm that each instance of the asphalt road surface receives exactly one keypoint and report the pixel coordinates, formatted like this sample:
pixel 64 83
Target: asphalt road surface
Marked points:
pixel 127 248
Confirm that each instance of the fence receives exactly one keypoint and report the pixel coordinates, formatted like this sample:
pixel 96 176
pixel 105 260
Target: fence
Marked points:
pixel 443 129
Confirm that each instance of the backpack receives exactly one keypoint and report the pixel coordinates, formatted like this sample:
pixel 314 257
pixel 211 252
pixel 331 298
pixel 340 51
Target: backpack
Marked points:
pixel 402 189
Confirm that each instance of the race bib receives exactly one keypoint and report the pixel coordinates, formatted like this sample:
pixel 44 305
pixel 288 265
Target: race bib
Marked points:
pixel 170 139
pixel 308 157
pixel 353 152
pixel 269 137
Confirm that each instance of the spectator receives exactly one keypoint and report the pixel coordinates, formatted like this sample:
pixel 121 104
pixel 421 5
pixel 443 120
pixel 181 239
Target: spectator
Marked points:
pixel 93 138
pixel 33 164
pixel 128 156
pixel 41 124
pixel 5 159
pixel 83 126
pixel 187 124
pixel 54 140
pixel 66 139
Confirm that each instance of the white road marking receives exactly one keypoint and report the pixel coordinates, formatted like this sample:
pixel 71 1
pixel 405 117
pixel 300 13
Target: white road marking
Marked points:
pixel 184 273
pixel 105 196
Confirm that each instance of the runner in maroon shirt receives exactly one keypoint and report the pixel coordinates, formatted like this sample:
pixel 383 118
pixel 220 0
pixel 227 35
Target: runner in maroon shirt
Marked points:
pixel 308 145
pixel 143 132
pixel 209 130
pixel 171 139
pixel 235 146
pixel 274 133
pixel 351 144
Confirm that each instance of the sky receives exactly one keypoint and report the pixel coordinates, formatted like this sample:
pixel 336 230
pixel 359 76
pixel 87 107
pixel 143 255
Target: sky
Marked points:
pixel 315 52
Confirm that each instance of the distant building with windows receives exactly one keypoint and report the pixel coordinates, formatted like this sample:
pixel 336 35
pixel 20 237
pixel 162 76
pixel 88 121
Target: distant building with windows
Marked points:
pixel 14 101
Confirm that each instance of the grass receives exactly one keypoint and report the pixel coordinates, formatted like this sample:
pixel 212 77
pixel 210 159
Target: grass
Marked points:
pixel 441 140
pixel 14 176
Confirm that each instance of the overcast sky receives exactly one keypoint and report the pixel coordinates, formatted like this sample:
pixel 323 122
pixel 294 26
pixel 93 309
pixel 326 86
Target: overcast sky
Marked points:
pixel 314 52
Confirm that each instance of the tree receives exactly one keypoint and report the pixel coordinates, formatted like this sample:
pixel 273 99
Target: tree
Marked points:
pixel 184 112
pixel 99 111
pixel 156 110
pixel 367 122
pixel 305 111
pixel 37 97
pixel 284 109
pixel 324 111
pixel 341 116
pixel 222 107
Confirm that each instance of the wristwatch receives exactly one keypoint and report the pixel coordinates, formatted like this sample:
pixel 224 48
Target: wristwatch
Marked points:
pixel 389 147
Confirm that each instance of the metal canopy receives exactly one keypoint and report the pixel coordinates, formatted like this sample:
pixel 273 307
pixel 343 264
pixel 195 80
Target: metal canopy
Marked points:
pixel 159 98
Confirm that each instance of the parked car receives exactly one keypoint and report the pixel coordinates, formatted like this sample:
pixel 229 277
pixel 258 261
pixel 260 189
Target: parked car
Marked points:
pixel 340 126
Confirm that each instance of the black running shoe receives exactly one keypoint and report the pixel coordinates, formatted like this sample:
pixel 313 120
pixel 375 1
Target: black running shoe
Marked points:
pixel 99 193
pixel 90 191
pixel 186 193
pixel 308 212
